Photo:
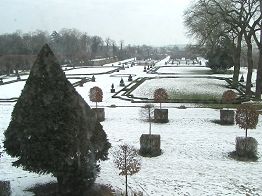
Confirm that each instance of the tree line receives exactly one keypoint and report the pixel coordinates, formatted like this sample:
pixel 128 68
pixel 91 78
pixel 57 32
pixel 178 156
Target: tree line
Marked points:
pixel 18 50
pixel 223 28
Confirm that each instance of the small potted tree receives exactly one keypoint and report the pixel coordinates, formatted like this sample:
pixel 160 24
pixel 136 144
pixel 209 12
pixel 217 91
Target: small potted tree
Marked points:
pixel 246 118
pixel 227 116
pixel 160 115
pixel 149 143
pixel 96 95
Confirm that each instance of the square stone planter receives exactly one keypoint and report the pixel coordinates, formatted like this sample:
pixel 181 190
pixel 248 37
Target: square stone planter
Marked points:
pixel 227 117
pixel 100 113
pixel 5 188
pixel 150 145
pixel 161 115
pixel 246 147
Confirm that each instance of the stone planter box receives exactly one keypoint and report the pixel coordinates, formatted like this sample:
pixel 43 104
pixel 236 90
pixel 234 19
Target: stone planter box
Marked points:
pixel 5 188
pixel 161 115
pixel 150 145
pixel 227 117
pixel 100 113
pixel 246 147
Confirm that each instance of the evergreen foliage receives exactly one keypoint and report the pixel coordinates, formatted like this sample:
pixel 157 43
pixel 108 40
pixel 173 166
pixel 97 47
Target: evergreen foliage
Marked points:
pixel 53 130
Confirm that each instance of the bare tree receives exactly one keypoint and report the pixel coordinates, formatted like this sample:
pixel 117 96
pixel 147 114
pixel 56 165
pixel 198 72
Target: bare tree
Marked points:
pixel 127 161
pixel 258 40
pixel 147 112
pixel 229 18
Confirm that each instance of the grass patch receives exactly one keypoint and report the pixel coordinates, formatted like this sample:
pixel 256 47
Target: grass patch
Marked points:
pixel 195 97
pixel 219 105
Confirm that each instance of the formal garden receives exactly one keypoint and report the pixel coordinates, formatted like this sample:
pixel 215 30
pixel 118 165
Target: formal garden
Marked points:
pixel 179 131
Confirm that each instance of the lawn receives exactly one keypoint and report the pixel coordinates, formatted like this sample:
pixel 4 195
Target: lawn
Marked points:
pixel 184 89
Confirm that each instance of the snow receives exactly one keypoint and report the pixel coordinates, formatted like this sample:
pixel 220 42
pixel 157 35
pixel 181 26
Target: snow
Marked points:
pixel 89 70
pixel 180 87
pixel 194 160
pixel 185 70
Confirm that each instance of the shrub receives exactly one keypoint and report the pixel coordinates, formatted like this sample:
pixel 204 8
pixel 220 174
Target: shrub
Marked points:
pixel 229 96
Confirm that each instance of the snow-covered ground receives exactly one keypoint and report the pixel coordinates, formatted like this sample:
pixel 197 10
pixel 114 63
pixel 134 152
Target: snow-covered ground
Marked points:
pixel 184 70
pixel 89 70
pixel 183 88
pixel 194 159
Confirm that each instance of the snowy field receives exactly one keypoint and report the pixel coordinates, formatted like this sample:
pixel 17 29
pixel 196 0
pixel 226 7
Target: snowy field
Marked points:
pixel 186 70
pixel 13 90
pixel 183 88
pixel 89 70
pixel 194 160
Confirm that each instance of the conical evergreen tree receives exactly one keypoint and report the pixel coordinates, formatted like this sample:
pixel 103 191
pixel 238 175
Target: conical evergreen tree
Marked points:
pixel 53 130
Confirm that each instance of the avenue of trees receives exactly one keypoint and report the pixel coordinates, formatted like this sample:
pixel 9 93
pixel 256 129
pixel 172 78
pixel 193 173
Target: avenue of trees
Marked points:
pixel 225 29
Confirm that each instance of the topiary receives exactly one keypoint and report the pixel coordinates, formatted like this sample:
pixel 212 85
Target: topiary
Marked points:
pixel 160 96
pixel 96 94
pixel 246 117
pixel 229 96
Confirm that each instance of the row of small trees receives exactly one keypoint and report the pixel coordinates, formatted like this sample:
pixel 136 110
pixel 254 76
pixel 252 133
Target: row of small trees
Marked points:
pixel 246 117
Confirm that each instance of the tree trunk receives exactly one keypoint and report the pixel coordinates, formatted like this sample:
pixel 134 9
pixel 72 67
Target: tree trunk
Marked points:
pixel 250 66
pixel 126 171
pixel 259 73
pixel 237 60
pixel 259 66
pixel 149 115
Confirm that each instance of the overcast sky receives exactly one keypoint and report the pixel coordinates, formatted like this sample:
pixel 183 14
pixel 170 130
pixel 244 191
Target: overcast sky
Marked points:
pixel 152 22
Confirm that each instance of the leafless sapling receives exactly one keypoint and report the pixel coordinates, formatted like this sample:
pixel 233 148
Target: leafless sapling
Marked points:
pixel 147 112
pixel 127 161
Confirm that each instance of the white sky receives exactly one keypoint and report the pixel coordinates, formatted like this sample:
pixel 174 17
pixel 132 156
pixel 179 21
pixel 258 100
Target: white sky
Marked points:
pixel 153 22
